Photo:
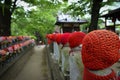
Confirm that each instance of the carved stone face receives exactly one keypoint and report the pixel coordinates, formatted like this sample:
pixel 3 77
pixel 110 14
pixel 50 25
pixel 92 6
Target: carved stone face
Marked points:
pixel 78 48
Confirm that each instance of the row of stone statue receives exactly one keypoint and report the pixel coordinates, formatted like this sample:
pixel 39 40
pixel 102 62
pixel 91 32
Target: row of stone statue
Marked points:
pixel 86 56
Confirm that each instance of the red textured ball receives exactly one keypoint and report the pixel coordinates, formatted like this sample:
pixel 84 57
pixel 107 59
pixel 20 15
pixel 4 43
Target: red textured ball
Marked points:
pixel 100 49
pixel 75 39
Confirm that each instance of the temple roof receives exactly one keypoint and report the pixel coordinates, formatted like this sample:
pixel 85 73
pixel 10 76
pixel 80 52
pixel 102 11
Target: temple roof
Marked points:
pixel 113 13
pixel 65 18
pixel 79 21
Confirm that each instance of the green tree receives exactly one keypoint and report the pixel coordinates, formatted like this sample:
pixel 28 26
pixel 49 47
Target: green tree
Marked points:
pixel 35 22
pixel 88 6
pixel 7 8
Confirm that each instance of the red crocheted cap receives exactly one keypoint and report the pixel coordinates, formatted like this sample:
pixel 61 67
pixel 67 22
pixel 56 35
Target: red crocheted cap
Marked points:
pixel 54 37
pixel 119 44
pixel 75 39
pixel 49 36
pixel 90 76
pixel 100 49
pixel 64 38
pixel 58 38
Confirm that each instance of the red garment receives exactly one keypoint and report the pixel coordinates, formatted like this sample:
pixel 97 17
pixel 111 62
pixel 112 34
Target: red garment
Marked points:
pixel 3 52
pixel 75 39
pixel 90 76
pixel 118 78
pixel 10 49
pixel 20 37
pixel 3 38
pixel 100 49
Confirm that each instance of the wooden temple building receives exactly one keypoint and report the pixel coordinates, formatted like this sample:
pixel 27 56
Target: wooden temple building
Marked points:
pixel 68 25
pixel 113 15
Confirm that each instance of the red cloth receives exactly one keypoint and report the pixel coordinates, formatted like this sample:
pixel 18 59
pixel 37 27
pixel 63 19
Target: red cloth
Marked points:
pixel 75 39
pixel 118 78
pixel 10 49
pixel 20 37
pixel 100 49
pixel 3 52
pixel 64 38
pixel 2 38
pixel 90 76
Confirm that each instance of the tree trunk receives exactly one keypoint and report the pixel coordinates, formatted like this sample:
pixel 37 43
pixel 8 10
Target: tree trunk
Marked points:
pixel 5 22
pixel 5 19
pixel 95 15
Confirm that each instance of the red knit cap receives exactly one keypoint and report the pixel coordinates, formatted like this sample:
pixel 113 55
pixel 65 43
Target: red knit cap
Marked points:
pixel 119 44
pixel 64 38
pixel 49 36
pixel 75 39
pixel 53 36
pixel 100 49
pixel 90 76
pixel 58 38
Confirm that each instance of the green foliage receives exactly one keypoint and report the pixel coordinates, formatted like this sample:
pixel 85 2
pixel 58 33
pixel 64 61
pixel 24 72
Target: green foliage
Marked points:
pixel 81 7
pixel 109 2
pixel 41 19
